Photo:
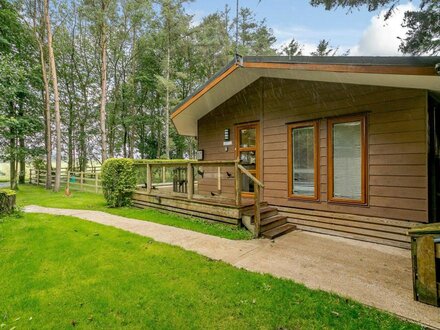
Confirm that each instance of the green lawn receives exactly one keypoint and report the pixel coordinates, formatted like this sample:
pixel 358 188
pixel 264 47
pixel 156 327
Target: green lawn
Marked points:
pixel 60 272
pixel 33 195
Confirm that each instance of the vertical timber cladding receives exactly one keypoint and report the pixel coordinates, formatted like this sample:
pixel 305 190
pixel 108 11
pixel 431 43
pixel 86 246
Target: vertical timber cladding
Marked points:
pixel 396 162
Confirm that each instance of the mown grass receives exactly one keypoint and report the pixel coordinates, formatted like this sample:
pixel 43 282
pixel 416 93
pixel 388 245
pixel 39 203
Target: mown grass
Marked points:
pixel 62 273
pixel 33 195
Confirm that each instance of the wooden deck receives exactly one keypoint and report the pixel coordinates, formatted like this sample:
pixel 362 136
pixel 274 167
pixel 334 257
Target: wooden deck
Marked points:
pixel 212 208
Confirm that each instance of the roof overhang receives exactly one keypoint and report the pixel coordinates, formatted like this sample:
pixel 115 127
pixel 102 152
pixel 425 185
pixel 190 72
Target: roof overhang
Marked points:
pixel 402 72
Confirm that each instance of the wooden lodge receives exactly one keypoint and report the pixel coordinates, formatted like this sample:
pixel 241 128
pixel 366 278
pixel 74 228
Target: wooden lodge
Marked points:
pixel 346 146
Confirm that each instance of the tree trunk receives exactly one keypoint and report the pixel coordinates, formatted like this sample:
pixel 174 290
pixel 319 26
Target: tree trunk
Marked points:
pixel 46 99
pixel 167 107
pixel 21 155
pixel 12 151
pixel 103 83
pixel 53 70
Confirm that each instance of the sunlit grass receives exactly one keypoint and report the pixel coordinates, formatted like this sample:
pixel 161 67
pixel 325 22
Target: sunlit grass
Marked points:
pixel 33 195
pixel 61 273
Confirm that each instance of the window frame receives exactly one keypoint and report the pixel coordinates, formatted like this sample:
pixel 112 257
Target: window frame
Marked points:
pixel 316 161
pixel 330 162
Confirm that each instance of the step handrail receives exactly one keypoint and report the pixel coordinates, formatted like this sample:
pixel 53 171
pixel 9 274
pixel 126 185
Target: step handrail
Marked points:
pixel 250 176
pixel 257 206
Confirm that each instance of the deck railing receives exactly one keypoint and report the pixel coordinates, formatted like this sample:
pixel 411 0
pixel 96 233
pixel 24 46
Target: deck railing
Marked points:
pixel 155 178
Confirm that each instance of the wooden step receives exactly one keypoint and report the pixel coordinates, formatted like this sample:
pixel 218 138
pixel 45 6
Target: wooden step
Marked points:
pixel 278 231
pixel 265 212
pixel 272 222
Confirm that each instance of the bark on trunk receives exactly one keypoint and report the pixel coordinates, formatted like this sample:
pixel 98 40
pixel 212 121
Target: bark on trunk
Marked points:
pixel 103 83
pixel 53 70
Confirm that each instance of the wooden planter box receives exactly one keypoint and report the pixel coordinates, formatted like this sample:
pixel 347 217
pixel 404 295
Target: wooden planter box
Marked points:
pixel 7 201
pixel 425 250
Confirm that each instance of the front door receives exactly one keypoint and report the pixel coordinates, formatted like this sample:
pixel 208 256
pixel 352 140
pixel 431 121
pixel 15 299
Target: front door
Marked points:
pixel 247 150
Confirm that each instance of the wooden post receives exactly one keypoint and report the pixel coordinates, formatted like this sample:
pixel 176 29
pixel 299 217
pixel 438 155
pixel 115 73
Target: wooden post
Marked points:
pixel 149 179
pixel 164 174
pixel 30 176
pixel 81 174
pixel 219 180
pixel 96 182
pixel 68 180
pixel 190 180
pixel 38 177
pixel 237 175
pixel 257 216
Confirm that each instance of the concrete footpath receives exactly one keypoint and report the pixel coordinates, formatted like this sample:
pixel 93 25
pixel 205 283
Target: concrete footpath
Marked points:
pixel 372 274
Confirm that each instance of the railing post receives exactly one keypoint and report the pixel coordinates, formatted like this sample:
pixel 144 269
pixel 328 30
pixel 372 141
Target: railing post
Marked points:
pixel 257 216
pixel 149 179
pixel 190 180
pixel 219 180
pixel 237 175
pixel 96 182
pixel 81 175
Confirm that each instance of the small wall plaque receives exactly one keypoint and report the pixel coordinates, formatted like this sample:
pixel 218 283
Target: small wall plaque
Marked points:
pixel 200 155
pixel 227 143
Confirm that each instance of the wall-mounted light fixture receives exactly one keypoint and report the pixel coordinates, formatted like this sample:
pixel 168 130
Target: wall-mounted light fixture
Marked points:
pixel 227 134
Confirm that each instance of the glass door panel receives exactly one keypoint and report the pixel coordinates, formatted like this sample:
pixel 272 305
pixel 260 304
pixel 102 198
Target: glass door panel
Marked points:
pixel 247 152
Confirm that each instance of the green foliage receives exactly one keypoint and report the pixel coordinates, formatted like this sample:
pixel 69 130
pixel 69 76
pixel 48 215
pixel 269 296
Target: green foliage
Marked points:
pixel 118 181
pixel 423 35
pixel 7 201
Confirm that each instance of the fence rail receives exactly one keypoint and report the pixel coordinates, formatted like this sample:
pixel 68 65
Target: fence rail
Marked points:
pixel 88 180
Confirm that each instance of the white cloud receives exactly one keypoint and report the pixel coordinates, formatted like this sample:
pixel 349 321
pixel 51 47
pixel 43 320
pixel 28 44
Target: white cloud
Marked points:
pixel 381 37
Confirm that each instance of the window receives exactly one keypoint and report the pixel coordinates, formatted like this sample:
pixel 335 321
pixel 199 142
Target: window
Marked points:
pixel 303 160
pixel 347 159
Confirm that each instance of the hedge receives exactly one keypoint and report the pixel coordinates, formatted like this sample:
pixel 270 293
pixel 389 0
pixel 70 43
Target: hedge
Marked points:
pixel 118 181
pixel 7 201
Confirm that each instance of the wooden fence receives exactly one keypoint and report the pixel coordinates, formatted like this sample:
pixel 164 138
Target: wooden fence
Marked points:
pixel 89 180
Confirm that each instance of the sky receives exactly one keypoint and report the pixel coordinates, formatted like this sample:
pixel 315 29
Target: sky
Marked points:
pixel 364 33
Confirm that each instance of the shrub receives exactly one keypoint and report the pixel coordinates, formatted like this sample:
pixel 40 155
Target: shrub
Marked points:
pixel 118 181
pixel 7 201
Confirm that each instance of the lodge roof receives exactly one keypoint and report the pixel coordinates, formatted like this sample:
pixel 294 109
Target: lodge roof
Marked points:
pixel 399 71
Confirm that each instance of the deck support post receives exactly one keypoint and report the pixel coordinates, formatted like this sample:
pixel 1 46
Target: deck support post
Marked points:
pixel 219 180
pixel 237 175
pixel 257 215
pixel 149 179
pixel 190 180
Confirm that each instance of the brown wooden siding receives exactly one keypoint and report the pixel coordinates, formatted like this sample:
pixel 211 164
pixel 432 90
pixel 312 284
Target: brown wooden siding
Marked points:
pixel 397 150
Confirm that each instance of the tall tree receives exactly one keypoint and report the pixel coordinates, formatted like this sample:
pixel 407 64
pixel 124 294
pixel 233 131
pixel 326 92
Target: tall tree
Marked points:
pixel 53 71
pixel 324 49
pixel 293 48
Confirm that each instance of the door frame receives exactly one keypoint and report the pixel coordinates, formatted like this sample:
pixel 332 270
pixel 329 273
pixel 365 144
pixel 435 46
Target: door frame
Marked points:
pixel 433 158
pixel 257 149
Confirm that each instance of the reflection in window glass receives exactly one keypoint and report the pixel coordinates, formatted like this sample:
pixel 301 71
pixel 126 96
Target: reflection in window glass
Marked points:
pixel 347 161
pixel 248 137
pixel 248 159
pixel 303 161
